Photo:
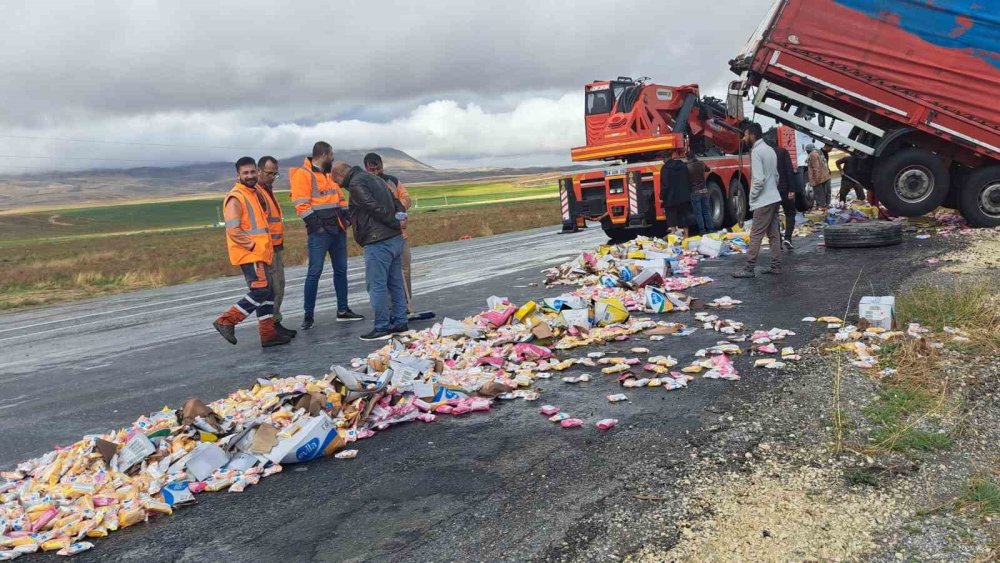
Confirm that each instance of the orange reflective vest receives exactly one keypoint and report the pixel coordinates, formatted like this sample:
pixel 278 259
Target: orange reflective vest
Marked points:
pixel 275 218
pixel 253 222
pixel 312 191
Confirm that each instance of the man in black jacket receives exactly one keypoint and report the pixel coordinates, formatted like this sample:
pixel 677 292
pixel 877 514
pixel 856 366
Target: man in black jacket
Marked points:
pixel 378 220
pixel 788 187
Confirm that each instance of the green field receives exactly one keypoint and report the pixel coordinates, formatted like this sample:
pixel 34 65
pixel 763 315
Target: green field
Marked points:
pixel 37 226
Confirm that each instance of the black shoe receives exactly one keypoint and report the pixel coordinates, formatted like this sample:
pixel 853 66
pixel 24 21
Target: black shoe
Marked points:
pixel 787 244
pixel 278 340
pixel 307 323
pixel 284 331
pixel 348 315
pixel 377 335
pixel 227 331
pixel 773 271
pixel 398 329
pixel 745 273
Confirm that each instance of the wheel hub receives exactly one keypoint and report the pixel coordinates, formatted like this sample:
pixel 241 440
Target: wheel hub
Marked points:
pixel 914 184
pixel 989 199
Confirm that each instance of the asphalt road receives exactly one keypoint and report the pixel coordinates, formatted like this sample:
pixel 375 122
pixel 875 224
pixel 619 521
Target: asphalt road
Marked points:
pixel 504 485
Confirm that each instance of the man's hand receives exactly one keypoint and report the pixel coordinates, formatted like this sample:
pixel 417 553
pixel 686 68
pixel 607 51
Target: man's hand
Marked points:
pixel 402 224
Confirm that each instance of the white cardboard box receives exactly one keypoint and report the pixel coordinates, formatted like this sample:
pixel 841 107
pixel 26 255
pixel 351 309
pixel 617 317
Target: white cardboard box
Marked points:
pixel 879 311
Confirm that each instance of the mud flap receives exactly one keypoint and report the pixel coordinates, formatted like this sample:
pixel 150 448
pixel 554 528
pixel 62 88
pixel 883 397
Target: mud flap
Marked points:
pixel 568 206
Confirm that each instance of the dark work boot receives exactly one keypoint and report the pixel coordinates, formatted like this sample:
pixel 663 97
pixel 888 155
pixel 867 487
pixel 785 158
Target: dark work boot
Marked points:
pixel 226 324
pixel 285 331
pixel 269 336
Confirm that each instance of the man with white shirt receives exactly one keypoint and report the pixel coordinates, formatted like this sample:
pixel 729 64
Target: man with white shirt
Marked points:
pixel 765 200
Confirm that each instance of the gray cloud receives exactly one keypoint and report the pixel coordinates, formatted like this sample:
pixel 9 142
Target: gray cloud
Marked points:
pixel 95 67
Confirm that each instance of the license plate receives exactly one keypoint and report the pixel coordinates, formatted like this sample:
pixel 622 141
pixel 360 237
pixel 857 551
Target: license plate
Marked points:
pixel 616 171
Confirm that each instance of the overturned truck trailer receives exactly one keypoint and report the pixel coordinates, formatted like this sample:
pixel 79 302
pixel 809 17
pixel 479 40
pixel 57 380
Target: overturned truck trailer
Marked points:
pixel 910 87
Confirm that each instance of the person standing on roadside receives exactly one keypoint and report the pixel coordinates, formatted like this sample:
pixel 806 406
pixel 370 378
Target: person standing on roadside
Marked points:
pixel 697 170
pixel 788 188
pixel 819 175
pixel 374 165
pixel 848 167
pixel 764 202
pixel 379 220
pixel 319 202
pixel 249 243
pixel 267 173
pixel 675 191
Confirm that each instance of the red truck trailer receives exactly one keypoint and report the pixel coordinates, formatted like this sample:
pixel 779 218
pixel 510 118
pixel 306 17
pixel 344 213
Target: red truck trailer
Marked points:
pixel 632 125
pixel 909 87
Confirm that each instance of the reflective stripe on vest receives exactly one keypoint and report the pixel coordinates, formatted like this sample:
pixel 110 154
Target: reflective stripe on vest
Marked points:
pixel 253 223
pixel 316 194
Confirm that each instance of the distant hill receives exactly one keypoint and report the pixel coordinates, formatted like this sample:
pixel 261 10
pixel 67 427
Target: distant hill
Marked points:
pixel 117 185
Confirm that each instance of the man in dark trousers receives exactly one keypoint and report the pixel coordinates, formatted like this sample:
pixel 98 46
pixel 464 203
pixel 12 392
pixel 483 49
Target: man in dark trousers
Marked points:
pixel 675 191
pixel 700 201
pixel 788 188
pixel 848 167
pixel 379 220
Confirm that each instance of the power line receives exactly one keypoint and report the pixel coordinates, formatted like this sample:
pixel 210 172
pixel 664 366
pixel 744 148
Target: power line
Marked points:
pixel 66 140
pixel 61 157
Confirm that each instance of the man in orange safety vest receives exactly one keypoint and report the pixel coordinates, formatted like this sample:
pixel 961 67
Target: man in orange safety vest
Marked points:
pixel 249 243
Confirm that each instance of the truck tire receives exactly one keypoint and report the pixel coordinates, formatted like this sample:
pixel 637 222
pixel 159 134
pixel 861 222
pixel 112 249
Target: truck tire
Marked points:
pixel 736 204
pixel 615 233
pixel 863 235
pixel 911 182
pixel 716 204
pixel 979 200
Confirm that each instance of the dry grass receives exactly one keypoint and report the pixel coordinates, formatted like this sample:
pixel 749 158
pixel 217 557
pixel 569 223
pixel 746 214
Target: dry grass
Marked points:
pixel 50 272
pixel 921 393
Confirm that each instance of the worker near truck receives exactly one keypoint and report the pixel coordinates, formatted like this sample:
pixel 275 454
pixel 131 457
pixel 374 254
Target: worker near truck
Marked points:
pixel 788 189
pixel 848 167
pixel 373 164
pixel 819 176
pixel 764 202
pixel 697 170
pixel 249 245
pixel 319 202
pixel 675 191
pixel 379 220
pixel 267 173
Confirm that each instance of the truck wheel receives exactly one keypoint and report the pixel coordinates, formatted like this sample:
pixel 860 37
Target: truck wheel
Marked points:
pixel 863 235
pixel 911 182
pixel 717 205
pixel 615 233
pixel 979 200
pixel 736 204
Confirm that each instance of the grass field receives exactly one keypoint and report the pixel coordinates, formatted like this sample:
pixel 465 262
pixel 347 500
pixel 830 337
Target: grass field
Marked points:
pixel 38 226
pixel 38 270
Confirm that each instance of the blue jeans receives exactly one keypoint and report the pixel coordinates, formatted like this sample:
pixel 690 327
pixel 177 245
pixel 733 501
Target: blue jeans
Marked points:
pixel 702 213
pixel 320 244
pixel 384 279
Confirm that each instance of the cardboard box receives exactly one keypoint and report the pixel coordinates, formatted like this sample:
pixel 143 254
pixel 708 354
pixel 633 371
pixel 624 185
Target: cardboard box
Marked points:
pixel 575 317
pixel 308 438
pixel 879 311
pixel 609 311
pixel 205 459
pixel 135 450
pixel 657 301
pixel 710 247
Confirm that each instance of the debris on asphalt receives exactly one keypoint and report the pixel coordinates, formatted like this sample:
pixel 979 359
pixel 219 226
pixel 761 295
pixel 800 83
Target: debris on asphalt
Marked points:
pixel 457 367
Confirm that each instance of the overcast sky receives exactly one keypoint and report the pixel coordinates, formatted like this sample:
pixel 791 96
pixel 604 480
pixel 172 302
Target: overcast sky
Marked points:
pixel 454 83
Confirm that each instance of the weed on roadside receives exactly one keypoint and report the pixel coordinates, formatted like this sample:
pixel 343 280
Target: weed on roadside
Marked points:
pixel 982 495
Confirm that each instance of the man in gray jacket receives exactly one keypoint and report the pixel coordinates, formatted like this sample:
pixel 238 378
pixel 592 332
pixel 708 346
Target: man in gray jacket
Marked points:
pixel 764 202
